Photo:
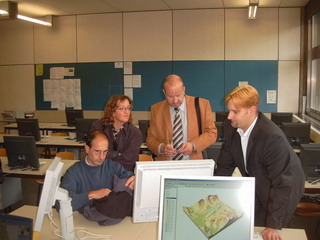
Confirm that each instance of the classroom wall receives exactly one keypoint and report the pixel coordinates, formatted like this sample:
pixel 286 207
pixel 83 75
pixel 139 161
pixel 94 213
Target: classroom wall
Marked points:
pixel 224 35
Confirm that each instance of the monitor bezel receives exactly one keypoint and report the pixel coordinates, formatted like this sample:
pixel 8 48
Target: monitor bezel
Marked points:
pixel 288 128
pixel 21 145
pixel 159 167
pixel 280 117
pixel 29 127
pixel 71 115
pixel 212 178
pixel 307 162
pixel 80 123
pixel 221 116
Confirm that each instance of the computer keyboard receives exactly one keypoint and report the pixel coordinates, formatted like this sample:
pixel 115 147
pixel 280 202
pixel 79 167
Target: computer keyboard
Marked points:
pixel 42 162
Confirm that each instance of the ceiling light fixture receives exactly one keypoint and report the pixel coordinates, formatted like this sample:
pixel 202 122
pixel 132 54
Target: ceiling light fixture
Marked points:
pixel 47 23
pixel 253 6
pixel 10 9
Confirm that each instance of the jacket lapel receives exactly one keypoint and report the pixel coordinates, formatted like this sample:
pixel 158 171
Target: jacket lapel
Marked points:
pixel 252 137
pixel 167 120
pixel 240 153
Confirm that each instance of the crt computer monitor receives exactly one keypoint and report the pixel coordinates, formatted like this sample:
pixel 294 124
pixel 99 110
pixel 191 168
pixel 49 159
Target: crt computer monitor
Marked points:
pixel 71 115
pixel 82 128
pixel 296 133
pixel 21 152
pixel 221 116
pixel 310 160
pixel 202 208
pixel 147 183
pixel 280 117
pixel 50 193
pixel 29 127
pixel 143 126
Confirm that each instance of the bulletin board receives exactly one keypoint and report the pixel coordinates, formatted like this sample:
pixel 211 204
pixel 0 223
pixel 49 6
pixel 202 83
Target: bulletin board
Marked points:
pixel 207 79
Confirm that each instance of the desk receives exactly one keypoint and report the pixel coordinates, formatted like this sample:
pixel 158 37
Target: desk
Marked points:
pixel 45 127
pixel 53 141
pixel 60 141
pixel 126 229
pixel 33 174
pixel 312 188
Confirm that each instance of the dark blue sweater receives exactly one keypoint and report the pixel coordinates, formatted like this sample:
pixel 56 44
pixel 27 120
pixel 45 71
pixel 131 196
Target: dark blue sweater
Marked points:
pixel 80 179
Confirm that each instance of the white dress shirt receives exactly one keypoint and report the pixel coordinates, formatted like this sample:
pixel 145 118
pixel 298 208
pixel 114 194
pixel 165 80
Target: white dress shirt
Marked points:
pixel 244 140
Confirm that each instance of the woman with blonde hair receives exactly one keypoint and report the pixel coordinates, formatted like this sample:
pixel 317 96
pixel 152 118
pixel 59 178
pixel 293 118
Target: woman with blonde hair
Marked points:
pixel 124 138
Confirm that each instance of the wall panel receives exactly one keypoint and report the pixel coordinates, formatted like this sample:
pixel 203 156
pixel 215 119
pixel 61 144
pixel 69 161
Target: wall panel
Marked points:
pixel 99 37
pixel 198 34
pixel 56 44
pixel 17 87
pixel 147 36
pixel 251 39
pixel 16 42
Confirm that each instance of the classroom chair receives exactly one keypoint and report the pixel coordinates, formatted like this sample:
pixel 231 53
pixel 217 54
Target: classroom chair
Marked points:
pixel 145 157
pixel 3 152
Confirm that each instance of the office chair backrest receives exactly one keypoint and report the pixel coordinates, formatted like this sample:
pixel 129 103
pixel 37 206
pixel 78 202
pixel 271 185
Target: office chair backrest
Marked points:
pixel 3 152
pixel 145 157
pixel 143 126
pixel 66 155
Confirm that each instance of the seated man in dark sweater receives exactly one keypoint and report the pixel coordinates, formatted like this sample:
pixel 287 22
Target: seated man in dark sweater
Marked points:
pixel 93 177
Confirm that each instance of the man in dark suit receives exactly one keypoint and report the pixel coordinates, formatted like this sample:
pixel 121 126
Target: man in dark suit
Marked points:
pixel 258 147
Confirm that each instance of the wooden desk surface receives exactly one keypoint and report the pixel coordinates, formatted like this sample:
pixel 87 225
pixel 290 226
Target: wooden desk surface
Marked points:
pixel 53 141
pixel 33 174
pixel 125 229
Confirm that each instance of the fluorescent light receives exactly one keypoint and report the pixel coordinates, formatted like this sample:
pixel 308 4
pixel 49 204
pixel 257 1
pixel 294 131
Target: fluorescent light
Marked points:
pixel 48 24
pixel 11 9
pixel 252 11
pixel 2 12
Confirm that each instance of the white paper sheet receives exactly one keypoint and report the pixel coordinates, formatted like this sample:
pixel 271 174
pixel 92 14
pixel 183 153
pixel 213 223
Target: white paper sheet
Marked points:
pixel 127 68
pixel 128 92
pixel 127 81
pixel 136 81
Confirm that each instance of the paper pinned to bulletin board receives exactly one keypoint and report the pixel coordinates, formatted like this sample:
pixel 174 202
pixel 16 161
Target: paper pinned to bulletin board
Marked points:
pixel 62 93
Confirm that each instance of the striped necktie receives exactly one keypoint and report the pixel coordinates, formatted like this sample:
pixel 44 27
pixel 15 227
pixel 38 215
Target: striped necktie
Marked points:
pixel 177 135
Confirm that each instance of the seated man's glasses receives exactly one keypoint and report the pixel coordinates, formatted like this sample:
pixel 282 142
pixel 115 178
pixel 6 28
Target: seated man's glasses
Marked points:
pixel 99 152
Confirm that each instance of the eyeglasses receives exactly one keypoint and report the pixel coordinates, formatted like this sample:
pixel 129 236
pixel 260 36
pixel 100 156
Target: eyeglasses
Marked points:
pixel 98 152
pixel 122 109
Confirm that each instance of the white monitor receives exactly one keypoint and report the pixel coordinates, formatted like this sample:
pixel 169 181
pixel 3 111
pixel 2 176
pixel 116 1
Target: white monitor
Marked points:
pixel 197 207
pixel 50 193
pixel 147 183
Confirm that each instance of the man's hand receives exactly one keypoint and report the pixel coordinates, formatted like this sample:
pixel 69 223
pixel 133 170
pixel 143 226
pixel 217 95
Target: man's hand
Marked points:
pixel 130 182
pixel 99 193
pixel 270 234
pixel 168 150
pixel 186 148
